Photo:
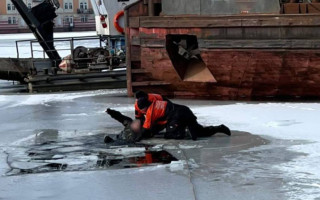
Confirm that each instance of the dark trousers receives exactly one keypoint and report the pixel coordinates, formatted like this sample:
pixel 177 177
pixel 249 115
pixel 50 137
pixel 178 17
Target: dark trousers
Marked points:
pixel 181 117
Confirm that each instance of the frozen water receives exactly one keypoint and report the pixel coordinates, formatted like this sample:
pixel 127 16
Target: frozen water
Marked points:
pixel 45 99
pixel 280 165
pixel 8 45
pixel 26 165
pixel 290 121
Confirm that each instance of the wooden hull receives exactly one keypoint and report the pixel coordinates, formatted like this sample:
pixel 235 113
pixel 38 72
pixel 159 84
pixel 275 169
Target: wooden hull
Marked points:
pixel 251 57
pixel 240 75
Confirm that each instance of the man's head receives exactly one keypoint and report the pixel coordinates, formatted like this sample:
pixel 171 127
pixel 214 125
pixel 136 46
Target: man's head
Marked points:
pixel 143 104
pixel 135 126
pixel 141 94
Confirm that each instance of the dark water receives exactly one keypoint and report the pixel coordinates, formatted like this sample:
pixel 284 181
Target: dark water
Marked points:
pixel 50 153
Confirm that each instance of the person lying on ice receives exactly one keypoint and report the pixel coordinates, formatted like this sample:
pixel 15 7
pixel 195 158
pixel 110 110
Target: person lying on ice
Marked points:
pixel 175 118
pixel 178 118
pixel 127 136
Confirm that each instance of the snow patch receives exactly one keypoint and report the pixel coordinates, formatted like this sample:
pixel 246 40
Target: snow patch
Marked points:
pixel 175 166
pixel 44 99
pixel 24 36
pixel 2 98
pixel 288 121
pixel 8 46
pixel 125 151
pixel 181 165
pixel 183 146
pixel 75 115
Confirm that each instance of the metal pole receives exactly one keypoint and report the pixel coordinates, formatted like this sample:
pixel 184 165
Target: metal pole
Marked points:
pixel 31 49
pixel 17 48
pixel 72 46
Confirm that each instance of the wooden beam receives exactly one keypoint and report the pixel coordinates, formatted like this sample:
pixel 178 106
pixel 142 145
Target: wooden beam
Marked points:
pixel 128 53
pixel 149 83
pixel 259 44
pixel 230 21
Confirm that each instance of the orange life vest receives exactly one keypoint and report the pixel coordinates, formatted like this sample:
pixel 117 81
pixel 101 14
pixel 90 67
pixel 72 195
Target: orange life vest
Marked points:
pixel 155 112
pixel 151 98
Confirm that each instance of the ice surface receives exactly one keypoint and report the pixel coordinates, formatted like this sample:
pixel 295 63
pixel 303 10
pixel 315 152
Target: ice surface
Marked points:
pixel 26 165
pixel 285 166
pixel 24 36
pixel 36 99
pixel 183 146
pixel 8 45
pixel 151 183
pixel 75 115
pixel 70 149
pixel 281 120
pixel 289 121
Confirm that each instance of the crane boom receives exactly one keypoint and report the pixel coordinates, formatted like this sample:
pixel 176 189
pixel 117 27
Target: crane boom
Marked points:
pixel 40 21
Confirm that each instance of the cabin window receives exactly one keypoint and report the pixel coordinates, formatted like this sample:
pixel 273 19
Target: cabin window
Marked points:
pixel 185 56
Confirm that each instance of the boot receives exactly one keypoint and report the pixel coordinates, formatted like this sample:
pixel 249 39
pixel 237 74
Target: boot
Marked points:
pixel 108 139
pixel 212 130
pixel 223 129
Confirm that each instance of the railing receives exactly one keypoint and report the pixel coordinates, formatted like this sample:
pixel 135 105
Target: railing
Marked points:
pixel 70 40
pixel 85 11
pixel 71 44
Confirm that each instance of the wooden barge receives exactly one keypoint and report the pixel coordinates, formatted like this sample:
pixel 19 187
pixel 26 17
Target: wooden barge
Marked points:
pixel 258 50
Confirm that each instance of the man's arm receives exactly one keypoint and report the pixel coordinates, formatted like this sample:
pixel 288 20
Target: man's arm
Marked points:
pixel 119 117
pixel 138 113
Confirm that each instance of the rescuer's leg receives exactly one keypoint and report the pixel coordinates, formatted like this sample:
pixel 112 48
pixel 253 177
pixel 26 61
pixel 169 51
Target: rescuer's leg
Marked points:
pixel 197 130
pixel 211 130
pixel 175 130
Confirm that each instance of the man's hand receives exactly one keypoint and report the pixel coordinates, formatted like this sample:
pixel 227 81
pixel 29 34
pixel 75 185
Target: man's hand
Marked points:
pixel 108 110
pixel 118 116
pixel 112 113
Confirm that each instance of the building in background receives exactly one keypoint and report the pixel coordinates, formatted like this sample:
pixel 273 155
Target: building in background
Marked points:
pixel 73 15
